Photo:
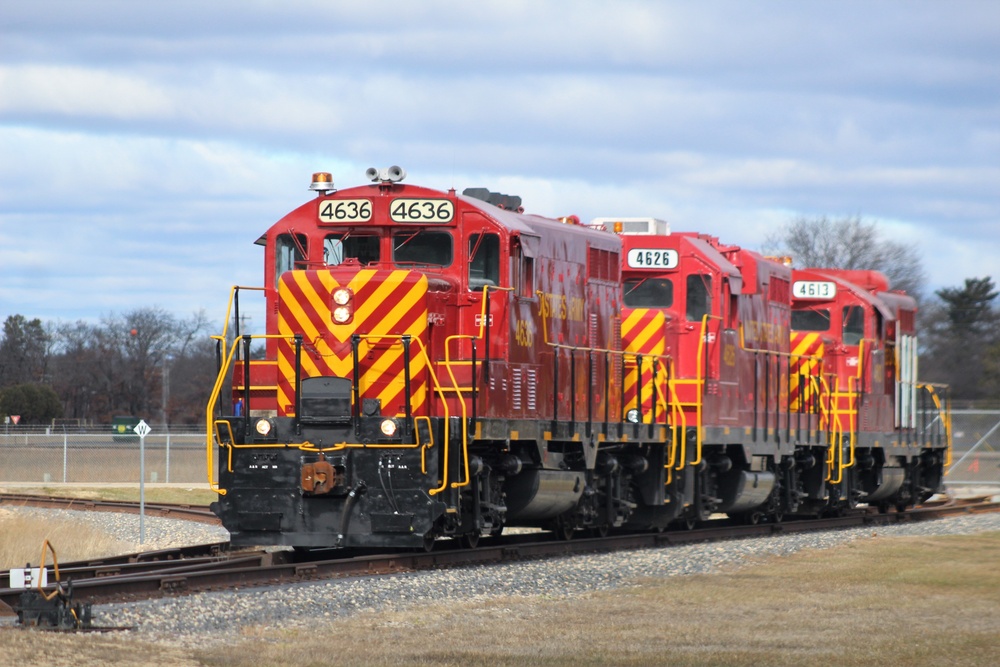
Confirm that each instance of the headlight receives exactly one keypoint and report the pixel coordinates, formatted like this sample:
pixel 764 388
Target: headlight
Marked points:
pixel 342 296
pixel 388 427
pixel 632 416
pixel 341 314
pixel 263 427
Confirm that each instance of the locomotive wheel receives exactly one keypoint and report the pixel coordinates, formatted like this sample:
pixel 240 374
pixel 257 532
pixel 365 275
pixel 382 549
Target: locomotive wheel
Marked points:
pixel 601 530
pixel 428 543
pixel 470 540
pixel 690 523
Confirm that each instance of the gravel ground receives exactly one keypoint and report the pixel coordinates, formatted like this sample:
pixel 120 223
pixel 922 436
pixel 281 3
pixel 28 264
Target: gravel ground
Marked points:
pixel 213 618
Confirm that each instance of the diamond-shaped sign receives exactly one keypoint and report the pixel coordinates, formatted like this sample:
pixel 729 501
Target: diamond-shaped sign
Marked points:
pixel 142 428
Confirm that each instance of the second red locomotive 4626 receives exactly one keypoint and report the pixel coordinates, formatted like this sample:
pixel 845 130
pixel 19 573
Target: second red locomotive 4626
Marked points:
pixel 444 365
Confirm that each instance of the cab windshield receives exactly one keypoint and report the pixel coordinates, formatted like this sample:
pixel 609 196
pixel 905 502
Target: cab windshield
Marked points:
pixel 422 248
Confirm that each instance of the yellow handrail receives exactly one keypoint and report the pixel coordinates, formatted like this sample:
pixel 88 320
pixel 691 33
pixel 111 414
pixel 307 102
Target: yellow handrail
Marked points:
pixel 459 390
pixel 224 337
pixel 945 415
pixel 621 355
pixel 213 437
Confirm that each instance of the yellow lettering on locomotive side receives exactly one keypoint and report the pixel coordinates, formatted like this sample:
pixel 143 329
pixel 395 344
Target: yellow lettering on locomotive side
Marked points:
pixel 729 354
pixel 524 333
pixel 559 307
pixel 763 332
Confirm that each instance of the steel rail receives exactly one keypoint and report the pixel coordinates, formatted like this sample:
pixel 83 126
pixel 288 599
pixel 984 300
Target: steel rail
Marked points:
pixel 172 511
pixel 244 571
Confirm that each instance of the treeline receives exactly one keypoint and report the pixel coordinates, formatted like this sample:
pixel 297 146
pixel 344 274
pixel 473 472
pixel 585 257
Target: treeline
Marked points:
pixel 143 363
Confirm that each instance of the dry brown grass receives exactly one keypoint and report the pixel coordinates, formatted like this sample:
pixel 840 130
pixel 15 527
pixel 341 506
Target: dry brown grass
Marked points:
pixel 22 537
pixel 914 601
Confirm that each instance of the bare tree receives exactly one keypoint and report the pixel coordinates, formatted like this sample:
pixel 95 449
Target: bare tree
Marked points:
pixel 849 243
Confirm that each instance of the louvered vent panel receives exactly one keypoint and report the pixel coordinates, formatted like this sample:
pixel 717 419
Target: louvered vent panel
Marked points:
pixel 515 394
pixel 532 390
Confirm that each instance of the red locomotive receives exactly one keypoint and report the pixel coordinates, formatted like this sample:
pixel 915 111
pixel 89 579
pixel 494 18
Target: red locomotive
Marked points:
pixel 716 320
pixel 444 365
pixel 890 427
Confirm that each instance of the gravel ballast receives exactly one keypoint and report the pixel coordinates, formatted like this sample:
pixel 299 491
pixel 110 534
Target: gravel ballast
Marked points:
pixel 212 618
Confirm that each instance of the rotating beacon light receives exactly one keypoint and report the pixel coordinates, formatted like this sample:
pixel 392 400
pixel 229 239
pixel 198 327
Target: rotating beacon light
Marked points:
pixel 322 183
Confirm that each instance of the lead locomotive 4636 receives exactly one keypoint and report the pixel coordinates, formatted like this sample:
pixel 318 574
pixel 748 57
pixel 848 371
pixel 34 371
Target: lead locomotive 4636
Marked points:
pixel 444 365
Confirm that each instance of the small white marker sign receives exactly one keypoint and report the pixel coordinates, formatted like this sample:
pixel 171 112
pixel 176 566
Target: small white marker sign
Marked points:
pixel 142 429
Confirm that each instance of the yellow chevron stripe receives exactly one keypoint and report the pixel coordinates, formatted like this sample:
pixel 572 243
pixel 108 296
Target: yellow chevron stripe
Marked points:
pixel 637 334
pixel 806 342
pixel 309 311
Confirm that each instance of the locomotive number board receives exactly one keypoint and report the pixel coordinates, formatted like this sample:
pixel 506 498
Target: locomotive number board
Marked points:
pixel 421 210
pixel 813 289
pixel 345 210
pixel 649 258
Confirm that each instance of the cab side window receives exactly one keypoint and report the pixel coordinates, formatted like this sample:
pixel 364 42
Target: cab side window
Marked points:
pixel 522 270
pixel 288 252
pixel 854 325
pixel 484 261
pixel 699 297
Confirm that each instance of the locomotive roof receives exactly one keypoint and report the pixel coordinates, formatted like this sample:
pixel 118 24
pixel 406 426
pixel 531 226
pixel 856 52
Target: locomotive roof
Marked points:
pixel 527 226
pixel 887 303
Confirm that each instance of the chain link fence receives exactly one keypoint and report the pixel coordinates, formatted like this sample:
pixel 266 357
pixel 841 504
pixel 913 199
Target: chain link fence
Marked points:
pixel 100 455
pixel 975 460
pixel 177 454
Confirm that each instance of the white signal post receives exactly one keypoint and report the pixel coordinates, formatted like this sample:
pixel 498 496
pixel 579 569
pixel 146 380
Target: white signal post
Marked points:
pixel 142 430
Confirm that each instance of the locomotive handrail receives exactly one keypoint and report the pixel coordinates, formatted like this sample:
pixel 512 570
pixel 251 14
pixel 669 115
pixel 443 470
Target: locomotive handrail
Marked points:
pixel 444 404
pixel 620 354
pixel 461 402
pixel 944 414
pixel 702 343
pixel 233 297
pixel 212 425
pixel 482 335
pixel 790 355
pixel 701 363
pixel 677 408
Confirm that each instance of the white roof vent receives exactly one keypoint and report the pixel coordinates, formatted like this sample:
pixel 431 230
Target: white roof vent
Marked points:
pixel 634 226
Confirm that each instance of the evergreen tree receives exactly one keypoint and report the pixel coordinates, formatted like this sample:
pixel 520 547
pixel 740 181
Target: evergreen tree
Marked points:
pixel 962 343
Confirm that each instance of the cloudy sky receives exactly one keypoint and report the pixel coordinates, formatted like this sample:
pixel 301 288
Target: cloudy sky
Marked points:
pixel 145 146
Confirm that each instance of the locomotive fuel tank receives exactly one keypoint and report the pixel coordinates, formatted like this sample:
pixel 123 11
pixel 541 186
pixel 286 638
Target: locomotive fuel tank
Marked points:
pixel 536 495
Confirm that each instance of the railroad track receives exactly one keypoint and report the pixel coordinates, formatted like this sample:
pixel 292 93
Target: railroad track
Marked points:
pixel 187 512
pixel 215 566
